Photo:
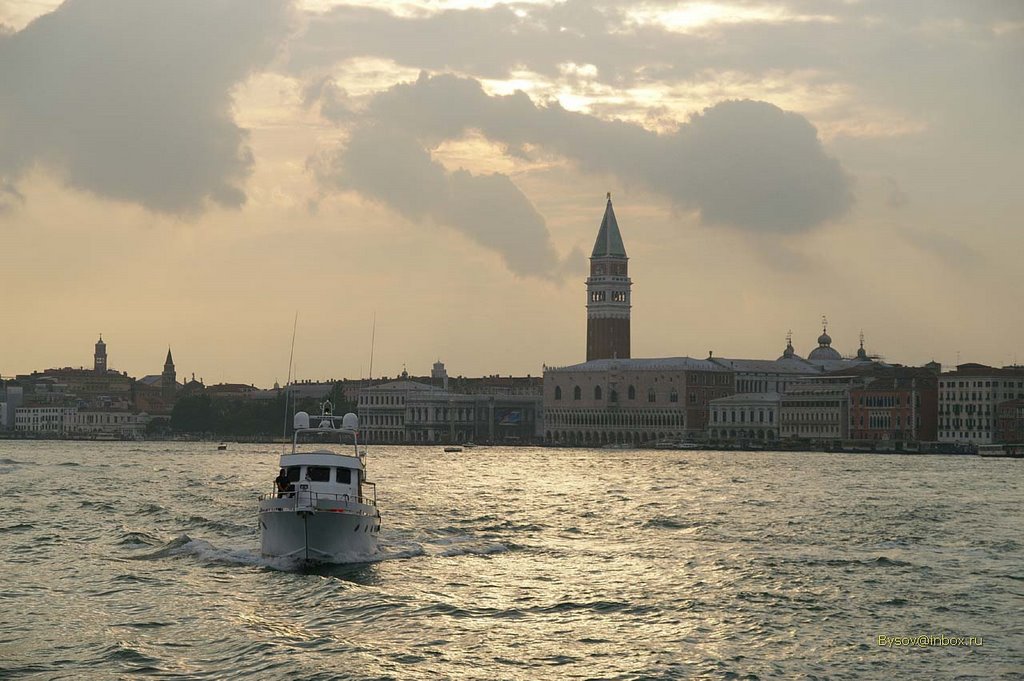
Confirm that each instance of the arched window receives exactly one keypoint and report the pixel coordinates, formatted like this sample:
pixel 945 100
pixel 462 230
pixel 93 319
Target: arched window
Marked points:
pixel 650 395
pixel 577 393
pixel 613 396
pixel 673 396
pixel 597 392
pixel 558 392
pixel 632 393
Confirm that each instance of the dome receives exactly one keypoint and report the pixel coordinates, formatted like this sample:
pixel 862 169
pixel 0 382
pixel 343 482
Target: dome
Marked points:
pixel 824 352
pixel 824 349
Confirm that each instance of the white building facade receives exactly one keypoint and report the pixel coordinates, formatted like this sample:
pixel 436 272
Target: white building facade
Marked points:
pixel 968 398
pixel 745 418
pixel 48 420
pixel 817 409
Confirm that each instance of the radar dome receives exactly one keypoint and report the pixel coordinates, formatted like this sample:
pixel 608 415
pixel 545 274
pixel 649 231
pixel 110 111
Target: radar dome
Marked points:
pixel 350 421
pixel 301 420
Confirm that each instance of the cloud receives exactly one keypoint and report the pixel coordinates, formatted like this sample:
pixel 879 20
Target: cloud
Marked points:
pixel 745 164
pixel 131 100
pixel 392 167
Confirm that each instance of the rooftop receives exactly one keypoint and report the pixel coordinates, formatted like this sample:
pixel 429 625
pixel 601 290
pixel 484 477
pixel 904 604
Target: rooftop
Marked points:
pixel 655 364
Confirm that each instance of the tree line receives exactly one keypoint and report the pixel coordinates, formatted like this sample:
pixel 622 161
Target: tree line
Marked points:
pixel 202 415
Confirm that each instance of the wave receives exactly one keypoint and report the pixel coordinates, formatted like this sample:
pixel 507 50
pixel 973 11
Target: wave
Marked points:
pixel 208 553
pixel 672 523
pixel 137 539
pixel 485 550
pixel 15 462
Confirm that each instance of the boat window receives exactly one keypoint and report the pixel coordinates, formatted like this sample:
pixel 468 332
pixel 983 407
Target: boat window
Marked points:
pixel 293 473
pixel 318 473
pixel 344 475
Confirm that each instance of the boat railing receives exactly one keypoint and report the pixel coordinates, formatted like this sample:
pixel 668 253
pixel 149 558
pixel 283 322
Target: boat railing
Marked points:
pixel 309 497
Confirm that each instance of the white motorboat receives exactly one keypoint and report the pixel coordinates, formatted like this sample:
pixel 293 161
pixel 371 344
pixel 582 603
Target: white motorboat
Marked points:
pixel 322 510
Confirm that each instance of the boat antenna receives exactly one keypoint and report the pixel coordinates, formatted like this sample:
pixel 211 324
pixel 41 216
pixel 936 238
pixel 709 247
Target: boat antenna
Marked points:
pixel 291 356
pixel 373 337
pixel 369 379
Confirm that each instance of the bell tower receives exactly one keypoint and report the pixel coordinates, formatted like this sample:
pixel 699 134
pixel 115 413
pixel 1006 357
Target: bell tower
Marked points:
pixel 168 382
pixel 608 296
pixel 99 358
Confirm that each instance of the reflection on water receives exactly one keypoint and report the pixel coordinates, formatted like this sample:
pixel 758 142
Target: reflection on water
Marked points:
pixel 127 559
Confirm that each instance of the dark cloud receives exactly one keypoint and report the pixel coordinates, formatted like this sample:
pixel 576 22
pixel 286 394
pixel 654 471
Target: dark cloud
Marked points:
pixel 746 164
pixel 391 166
pixel 132 100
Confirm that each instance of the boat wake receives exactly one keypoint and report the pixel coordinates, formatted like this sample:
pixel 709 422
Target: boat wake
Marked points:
pixel 202 550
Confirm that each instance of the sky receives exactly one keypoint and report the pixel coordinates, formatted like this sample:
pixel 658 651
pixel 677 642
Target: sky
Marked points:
pixel 431 175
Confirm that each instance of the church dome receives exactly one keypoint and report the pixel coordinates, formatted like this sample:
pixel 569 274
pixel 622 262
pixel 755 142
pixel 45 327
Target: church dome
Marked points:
pixel 789 352
pixel 824 349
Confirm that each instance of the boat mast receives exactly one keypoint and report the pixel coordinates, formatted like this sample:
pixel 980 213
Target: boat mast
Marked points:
pixel 291 356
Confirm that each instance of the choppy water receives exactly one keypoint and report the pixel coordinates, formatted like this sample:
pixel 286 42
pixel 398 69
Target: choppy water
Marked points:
pixel 125 559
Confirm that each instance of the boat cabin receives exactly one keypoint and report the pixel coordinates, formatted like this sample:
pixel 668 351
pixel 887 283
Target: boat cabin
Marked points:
pixel 325 460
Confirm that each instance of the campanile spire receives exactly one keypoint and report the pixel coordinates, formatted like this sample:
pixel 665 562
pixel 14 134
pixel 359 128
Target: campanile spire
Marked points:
pixel 608 293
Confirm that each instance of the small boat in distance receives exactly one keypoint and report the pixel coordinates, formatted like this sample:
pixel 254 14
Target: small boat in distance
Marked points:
pixel 320 510
pixel 222 447
pixel 452 450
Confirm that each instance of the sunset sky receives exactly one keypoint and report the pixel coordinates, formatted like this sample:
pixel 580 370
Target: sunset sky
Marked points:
pixel 192 173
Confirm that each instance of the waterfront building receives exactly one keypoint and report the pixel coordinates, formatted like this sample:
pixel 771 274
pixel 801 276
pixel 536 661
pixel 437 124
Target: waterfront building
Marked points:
pixel 901 407
pixel 608 293
pixel 122 425
pixel 44 420
pixel 631 401
pixel 409 411
pixel 1010 422
pixel 968 401
pixel 745 418
pixel 818 408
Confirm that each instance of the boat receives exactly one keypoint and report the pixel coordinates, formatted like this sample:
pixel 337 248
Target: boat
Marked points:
pixel 322 509
pixel 1004 451
pixel 222 447
pixel 452 450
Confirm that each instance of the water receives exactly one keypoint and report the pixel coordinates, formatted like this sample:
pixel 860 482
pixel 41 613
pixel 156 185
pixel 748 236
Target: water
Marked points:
pixel 127 559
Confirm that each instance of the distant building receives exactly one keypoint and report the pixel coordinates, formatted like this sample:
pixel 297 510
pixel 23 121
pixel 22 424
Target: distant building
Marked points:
pixel 123 425
pixel 818 409
pixel 968 401
pixel 1010 422
pixel 745 418
pixel 48 420
pixel 11 397
pixel 408 411
pixel 631 401
pixel 901 407
pixel 230 391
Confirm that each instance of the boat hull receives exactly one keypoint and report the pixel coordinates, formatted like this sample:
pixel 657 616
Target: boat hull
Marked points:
pixel 316 535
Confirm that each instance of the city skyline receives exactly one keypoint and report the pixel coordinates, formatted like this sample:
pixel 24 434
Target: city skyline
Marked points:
pixel 196 198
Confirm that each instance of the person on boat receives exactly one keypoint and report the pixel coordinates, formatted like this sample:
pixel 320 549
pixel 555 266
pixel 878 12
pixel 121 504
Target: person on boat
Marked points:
pixel 282 483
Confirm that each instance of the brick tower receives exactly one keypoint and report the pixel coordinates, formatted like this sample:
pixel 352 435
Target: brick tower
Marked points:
pixel 608 288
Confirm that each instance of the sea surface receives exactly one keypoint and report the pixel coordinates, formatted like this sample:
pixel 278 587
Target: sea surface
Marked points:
pixel 129 560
